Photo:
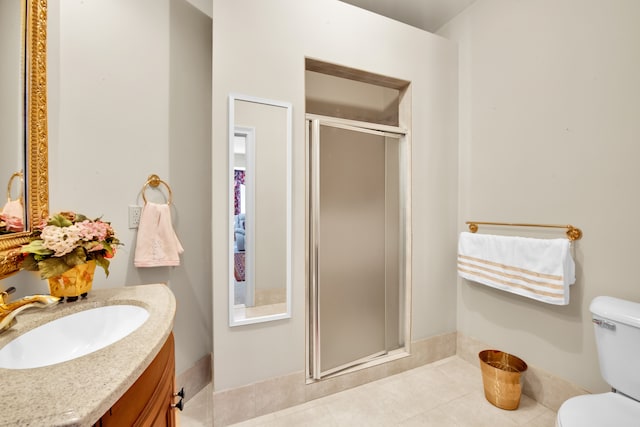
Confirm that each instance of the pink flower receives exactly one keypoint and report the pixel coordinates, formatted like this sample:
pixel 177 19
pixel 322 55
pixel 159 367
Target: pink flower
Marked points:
pixel 93 246
pixel 13 223
pixel 93 230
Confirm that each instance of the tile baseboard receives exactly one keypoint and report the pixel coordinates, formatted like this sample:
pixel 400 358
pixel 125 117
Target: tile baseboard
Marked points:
pixel 195 378
pixel 260 398
pixel 246 402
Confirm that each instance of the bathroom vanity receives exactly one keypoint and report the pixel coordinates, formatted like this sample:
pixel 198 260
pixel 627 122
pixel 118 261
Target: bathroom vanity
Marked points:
pixel 149 401
pixel 129 382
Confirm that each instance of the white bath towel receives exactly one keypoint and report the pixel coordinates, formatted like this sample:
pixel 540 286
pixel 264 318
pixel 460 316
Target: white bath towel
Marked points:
pixel 541 269
pixel 157 244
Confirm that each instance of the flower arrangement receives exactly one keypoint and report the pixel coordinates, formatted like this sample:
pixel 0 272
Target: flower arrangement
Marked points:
pixel 11 217
pixel 10 224
pixel 68 239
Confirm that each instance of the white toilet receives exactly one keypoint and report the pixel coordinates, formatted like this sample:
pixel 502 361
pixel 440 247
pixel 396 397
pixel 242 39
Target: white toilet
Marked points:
pixel 617 328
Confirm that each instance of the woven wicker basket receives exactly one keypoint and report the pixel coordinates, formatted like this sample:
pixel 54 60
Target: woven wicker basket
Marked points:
pixel 501 378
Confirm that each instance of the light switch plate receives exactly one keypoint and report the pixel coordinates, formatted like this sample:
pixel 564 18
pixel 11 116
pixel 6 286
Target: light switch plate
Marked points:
pixel 134 216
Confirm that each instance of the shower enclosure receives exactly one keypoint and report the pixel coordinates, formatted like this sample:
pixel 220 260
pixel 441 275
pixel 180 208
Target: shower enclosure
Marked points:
pixel 358 244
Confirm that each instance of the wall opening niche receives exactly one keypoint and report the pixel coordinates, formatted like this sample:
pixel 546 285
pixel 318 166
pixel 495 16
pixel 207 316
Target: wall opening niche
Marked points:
pixel 359 208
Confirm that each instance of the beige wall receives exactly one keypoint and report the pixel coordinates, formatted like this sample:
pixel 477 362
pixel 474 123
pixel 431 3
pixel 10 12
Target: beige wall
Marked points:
pixel 549 132
pixel 268 61
pixel 189 152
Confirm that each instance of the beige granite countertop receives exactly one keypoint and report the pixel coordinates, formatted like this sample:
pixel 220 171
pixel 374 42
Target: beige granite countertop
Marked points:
pixel 78 392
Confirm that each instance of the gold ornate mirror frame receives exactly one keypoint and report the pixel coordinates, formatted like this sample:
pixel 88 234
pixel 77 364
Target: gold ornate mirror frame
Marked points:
pixel 37 176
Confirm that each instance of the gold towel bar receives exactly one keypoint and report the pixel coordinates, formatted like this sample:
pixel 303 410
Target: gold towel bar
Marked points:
pixel 154 181
pixel 573 233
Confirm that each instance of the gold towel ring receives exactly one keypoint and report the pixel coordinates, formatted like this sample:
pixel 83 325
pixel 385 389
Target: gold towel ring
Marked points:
pixel 154 181
pixel 14 176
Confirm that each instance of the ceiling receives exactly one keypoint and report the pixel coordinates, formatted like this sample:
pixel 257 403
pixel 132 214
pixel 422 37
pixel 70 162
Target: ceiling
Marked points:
pixel 428 15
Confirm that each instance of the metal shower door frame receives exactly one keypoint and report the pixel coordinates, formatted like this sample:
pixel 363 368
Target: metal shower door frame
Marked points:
pixel 314 122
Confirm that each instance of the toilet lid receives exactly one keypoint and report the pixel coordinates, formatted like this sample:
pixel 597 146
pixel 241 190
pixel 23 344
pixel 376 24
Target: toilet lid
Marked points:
pixel 606 409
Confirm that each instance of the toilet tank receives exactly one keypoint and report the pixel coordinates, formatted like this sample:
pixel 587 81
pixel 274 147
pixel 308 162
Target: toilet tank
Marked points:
pixel 617 328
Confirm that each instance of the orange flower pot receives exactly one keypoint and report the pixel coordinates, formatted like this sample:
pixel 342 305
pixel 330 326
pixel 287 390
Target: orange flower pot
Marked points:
pixel 74 282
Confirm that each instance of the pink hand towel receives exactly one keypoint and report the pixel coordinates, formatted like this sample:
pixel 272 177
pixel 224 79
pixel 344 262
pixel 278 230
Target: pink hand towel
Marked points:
pixel 157 244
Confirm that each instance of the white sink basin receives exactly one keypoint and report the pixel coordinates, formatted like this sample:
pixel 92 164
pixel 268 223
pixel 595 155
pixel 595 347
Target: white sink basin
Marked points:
pixel 72 336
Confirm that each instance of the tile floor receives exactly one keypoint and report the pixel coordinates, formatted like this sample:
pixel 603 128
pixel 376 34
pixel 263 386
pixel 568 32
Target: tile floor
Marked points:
pixel 445 393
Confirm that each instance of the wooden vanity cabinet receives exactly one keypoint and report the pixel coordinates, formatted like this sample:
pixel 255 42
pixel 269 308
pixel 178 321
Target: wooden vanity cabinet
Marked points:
pixel 148 401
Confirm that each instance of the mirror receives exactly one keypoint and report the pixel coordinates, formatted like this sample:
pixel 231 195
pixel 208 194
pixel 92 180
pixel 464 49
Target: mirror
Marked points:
pixel 12 88
pixel 260 210
pixel 25 168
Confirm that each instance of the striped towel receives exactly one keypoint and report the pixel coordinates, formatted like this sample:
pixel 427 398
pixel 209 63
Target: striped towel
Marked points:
pixel 541 269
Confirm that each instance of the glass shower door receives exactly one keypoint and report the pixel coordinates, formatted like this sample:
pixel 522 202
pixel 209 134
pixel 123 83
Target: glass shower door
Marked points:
pixel 356 255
